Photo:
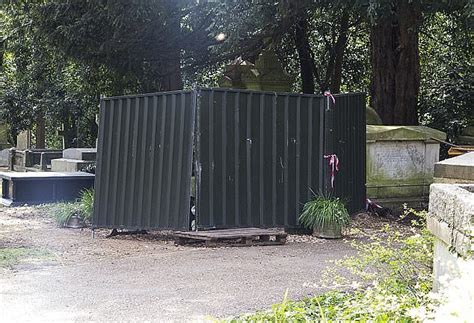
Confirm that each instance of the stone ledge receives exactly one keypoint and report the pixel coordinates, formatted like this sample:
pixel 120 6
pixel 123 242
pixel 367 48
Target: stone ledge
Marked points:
pixel 404 133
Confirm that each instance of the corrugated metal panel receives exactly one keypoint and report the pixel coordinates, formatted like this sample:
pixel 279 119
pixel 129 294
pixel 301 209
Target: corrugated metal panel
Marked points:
pixel 144 161
pixel 259 155
pixel 348 142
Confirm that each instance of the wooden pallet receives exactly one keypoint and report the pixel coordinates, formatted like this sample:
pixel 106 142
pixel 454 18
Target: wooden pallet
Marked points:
pixel 232 237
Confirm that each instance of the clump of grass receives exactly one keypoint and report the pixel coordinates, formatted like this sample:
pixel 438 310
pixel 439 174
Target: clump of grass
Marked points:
pixel 323 212
pixel 83 208
pixel 87 203
pixel 63 211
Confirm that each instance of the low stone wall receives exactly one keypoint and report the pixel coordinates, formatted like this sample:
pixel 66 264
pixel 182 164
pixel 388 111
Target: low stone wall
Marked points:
pixel 451 220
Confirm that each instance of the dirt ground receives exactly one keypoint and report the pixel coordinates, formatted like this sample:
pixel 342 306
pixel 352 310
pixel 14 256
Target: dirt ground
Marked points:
pixel 67 275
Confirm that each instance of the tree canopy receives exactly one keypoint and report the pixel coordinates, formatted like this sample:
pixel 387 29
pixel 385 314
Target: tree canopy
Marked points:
pixel 413 58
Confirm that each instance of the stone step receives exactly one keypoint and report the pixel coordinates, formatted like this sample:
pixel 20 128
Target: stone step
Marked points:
pixel 87 154
pixel 69 165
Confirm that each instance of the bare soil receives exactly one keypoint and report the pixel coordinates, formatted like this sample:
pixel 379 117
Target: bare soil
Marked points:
pixel 72 276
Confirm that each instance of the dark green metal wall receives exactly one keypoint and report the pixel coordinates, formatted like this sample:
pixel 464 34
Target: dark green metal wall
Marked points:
pixel 347 123
pixel 144 161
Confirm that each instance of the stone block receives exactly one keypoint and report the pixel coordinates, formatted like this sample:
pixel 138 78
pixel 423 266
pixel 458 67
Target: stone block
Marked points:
pixel 87 154
pixel 69 165
pixel 400 163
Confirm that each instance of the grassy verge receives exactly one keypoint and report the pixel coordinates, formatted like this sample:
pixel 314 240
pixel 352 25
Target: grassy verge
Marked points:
pixel 12 256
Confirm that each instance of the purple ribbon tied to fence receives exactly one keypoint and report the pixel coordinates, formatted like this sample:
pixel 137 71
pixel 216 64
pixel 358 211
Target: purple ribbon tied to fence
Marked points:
pixel 334 164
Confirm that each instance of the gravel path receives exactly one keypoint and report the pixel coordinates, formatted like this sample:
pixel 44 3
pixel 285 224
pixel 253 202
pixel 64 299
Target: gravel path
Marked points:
pixel 146 278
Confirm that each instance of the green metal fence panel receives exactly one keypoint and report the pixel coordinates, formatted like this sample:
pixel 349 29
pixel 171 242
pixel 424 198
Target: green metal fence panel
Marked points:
pixel 144 161
pixel 346 125
pixel 259 157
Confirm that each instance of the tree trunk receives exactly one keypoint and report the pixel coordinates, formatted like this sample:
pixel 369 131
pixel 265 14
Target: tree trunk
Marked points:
pixel 339 49
pixel 396 64
pixel 304 55
pixel 40 133
pixel 173 79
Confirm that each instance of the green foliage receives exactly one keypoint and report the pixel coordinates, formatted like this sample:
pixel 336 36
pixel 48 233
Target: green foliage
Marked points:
pixel 447 81
pixel 324 212
pixel 40 81
pixel 87 203
pixel 390 282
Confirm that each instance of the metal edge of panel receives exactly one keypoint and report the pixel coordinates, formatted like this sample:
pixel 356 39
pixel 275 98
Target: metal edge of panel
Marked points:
pixel 197 150
pixel 99 160
pixel 189 171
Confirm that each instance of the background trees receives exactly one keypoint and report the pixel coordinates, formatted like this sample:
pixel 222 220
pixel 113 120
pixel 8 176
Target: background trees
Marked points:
pixel 57 57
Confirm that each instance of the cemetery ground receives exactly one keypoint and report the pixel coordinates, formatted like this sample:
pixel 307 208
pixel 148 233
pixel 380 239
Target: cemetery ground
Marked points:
pixel 58 274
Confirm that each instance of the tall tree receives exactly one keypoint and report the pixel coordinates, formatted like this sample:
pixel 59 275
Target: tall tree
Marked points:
pixel 396 63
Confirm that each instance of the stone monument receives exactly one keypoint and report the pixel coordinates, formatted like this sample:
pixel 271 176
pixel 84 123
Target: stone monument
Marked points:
pixel 267 74
pixel 400 164
pixel 23 140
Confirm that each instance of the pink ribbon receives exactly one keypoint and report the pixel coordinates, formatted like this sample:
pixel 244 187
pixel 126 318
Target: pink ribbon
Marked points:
pixel 329 95
pixel 334 164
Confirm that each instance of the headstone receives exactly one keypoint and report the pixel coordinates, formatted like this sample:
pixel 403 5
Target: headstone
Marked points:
pixel 23 140
pixel 400 164
pixel 4 157
pixel 4 136
pixel 372 117
pixel 467 136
